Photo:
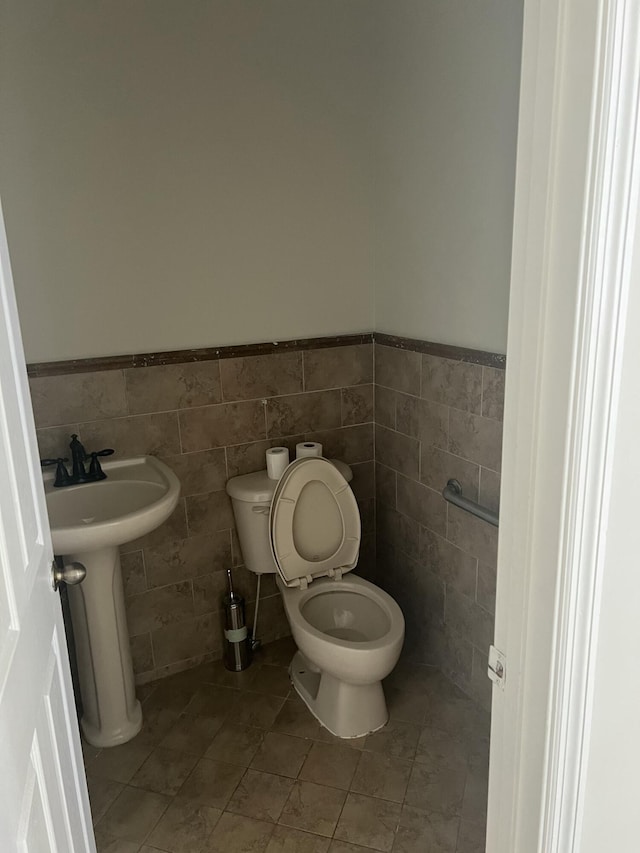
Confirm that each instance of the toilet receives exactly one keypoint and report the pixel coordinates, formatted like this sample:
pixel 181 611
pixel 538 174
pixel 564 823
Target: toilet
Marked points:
pixel 306 528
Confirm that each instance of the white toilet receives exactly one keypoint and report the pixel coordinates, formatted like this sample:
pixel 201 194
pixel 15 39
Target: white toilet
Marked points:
pixel 349 633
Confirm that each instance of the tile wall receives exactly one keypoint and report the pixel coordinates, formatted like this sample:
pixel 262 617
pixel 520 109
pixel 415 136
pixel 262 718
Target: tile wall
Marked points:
pixel 435 418
pixel 438 418
pixel 210 420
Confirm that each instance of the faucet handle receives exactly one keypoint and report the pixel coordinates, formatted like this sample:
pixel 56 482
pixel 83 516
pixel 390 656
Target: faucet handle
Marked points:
pixel 95 469
pixel 62 475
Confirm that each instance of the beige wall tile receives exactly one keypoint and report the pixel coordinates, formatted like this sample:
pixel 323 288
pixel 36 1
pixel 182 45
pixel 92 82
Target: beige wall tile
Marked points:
pixel 357 405
pixel 399 530
pixel 203 471
pixel 367 508
pixel 480 685
pixel 398 451
pixel 172 386
pixel 142 653
pixel 318 410
pixel 475 438
pixel 385 484
pixel 385 406
pixel 454 383
pixel 363 483
pixel 425 591
pixel 486 589
pixel 350 444
pixel 408 414
pixel 454 655
pixel 468 619
pixel 154 435
pixel 133 575
pixel 492 393
pixel 53 442
pixel 398 369
pixel 187 639
pixel 78 397
pixel 437 467
pixel 473 535
pixel 217 426
pixel 434 424
pixel 174 528
pixel 156 608
pixel 246 458
pixel 261 375
pixel 180 559
pixel 490 489
pixel 209 513
pixel 423 419
pixel 208 592
pixel 336 367
pixel 422 504
pixel 456 568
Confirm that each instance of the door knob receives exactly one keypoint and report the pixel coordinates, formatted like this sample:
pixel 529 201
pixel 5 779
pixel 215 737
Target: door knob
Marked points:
pixel 70 574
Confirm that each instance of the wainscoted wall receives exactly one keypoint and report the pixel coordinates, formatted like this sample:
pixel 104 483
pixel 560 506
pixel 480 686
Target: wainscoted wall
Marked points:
pixel 438 418
pixel 209 420
pixel 438 414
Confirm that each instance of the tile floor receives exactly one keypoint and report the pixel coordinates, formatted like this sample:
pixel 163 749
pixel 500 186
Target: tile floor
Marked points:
pixel 228 763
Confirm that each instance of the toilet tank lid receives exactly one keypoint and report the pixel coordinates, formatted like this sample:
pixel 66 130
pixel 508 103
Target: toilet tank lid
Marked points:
pixel 253 488
pixel 257 488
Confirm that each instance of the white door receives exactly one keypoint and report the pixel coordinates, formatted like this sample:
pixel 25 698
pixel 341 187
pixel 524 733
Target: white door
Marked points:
pixel 44 804
pixel 565 740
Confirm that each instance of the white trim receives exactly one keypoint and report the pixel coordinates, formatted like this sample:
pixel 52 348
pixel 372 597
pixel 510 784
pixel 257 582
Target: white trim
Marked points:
pixel 571 254
pixel 613 171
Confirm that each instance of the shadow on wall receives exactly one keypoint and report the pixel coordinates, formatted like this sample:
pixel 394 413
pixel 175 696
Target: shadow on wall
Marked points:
pixel 437 418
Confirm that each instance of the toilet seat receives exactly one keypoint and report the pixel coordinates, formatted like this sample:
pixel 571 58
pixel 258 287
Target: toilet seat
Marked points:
pixel 314 523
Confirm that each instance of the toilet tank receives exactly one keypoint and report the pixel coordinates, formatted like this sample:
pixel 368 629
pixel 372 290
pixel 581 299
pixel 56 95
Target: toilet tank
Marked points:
pixel 251 496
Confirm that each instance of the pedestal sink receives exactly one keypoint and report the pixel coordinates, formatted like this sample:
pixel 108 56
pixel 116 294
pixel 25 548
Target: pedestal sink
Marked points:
pixel 89 522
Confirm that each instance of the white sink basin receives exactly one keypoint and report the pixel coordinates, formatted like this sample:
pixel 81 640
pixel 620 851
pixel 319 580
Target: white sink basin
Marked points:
pixel 137 496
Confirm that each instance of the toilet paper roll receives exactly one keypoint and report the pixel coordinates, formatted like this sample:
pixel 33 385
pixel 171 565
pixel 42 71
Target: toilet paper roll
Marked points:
pixel 277 461
pixel 308 448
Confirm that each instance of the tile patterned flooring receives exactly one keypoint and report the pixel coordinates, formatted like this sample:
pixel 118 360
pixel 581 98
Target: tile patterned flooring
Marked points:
pixel 228 763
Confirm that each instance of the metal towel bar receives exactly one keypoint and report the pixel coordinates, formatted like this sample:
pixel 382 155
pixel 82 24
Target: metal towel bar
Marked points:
pixel 452 492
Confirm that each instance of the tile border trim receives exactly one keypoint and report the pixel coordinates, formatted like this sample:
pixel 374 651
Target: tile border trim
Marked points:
pixel 473 356
pixel 185 356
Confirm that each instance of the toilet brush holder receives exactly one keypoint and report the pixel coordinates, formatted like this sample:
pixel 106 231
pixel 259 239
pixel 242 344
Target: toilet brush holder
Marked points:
pixel 237 643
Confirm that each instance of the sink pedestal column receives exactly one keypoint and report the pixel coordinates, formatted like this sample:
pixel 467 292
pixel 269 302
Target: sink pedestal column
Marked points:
pixel 111 713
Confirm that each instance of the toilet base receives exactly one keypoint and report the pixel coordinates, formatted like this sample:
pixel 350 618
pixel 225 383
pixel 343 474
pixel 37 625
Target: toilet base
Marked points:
pixel 346 710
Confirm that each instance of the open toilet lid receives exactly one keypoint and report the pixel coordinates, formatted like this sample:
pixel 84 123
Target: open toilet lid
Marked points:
pixel 314 522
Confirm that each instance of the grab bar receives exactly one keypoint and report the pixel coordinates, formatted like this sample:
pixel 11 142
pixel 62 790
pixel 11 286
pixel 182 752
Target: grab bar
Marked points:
pixel 452 492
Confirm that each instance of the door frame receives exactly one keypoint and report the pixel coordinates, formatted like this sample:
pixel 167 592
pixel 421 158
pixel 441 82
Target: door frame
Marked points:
pixel 576 207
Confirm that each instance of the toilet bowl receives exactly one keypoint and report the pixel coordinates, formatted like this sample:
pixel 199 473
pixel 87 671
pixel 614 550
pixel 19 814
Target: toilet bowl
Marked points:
pixel 349 633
